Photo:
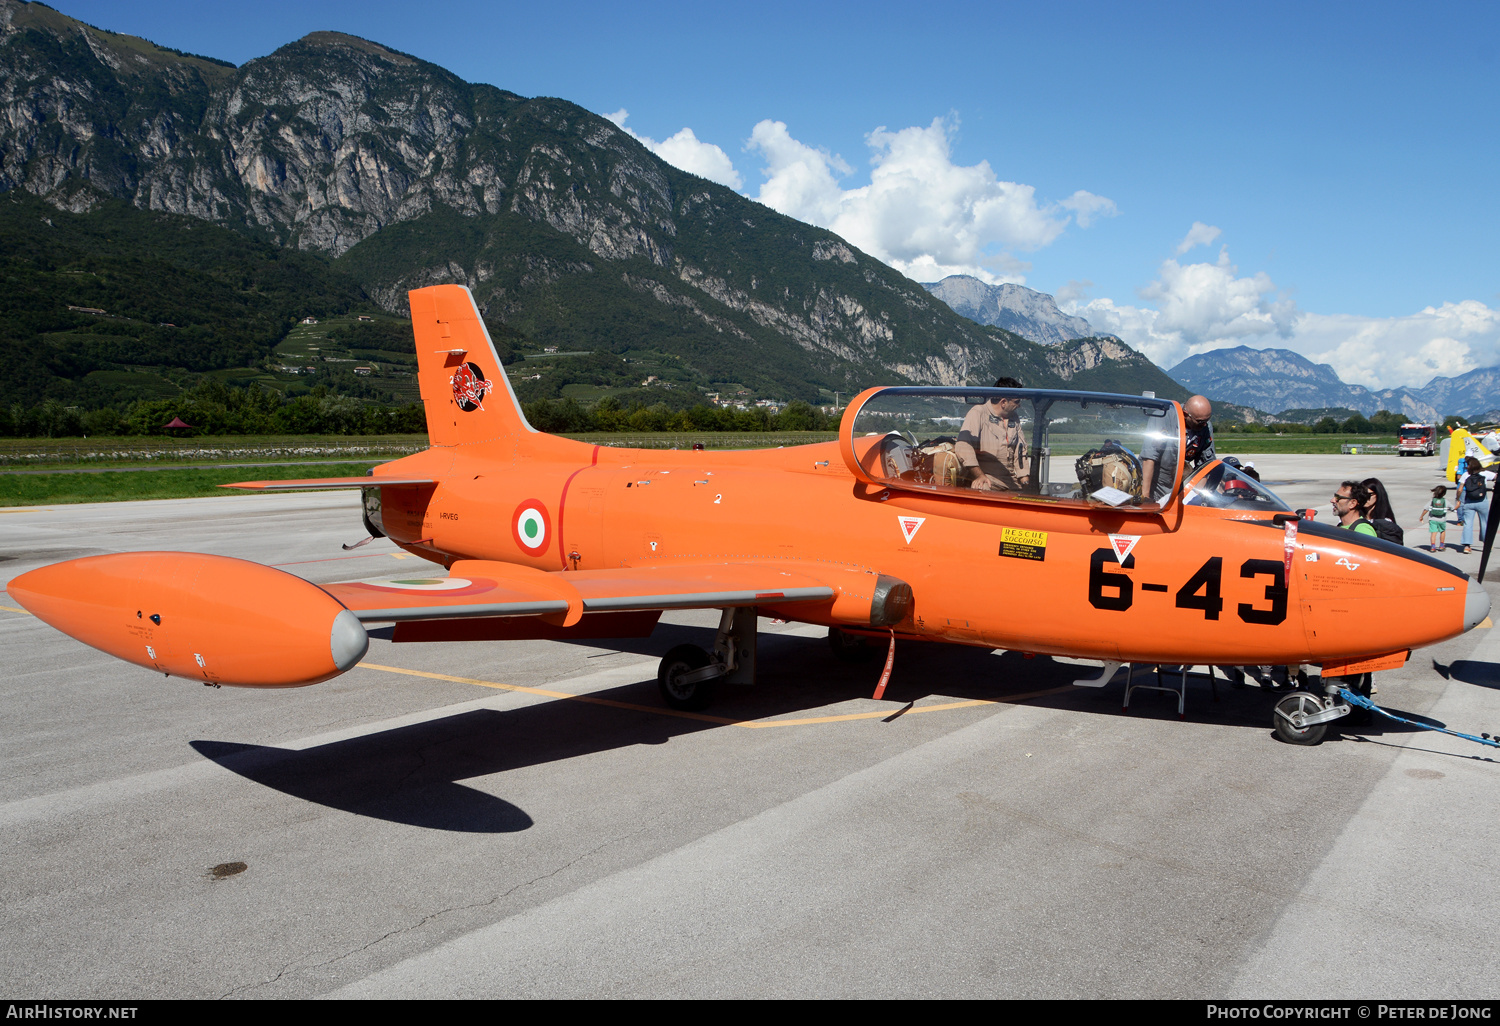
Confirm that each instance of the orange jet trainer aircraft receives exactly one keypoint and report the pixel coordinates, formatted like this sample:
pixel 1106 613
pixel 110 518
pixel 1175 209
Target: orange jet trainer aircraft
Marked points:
pixel 1005 518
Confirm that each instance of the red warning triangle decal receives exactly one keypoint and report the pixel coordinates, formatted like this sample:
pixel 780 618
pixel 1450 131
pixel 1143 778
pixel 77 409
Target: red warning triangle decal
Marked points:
pixel 909 526
pixel 1122 544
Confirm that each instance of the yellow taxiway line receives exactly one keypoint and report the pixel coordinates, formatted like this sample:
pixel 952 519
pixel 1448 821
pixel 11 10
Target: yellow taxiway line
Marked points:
pixel 722 721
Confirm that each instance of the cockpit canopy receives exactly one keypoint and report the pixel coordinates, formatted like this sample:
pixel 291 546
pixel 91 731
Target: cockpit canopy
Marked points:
pixel 1025 444
pixel 1225 485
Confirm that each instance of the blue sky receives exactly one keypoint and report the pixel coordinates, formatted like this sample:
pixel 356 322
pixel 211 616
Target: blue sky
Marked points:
pixel 1339 161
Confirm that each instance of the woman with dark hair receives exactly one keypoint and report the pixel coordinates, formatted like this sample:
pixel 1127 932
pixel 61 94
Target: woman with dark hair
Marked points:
pixel 1473 498
pixel 1378 512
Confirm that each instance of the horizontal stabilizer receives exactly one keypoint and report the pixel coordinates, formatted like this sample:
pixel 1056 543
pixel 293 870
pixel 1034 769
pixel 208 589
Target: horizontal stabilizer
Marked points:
pixel 327 483
pixel 485 588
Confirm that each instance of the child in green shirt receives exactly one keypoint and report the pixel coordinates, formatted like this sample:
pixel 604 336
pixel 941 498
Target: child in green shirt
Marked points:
pixel 1436 515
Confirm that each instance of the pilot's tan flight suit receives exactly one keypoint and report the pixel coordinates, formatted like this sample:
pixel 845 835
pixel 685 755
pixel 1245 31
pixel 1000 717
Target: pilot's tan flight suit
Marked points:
pixel 995 446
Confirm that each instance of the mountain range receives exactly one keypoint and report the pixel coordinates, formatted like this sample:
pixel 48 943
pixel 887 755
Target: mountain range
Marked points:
pixel 1026 312
pixel 570 233
pixel 388 173
pixel 1279 379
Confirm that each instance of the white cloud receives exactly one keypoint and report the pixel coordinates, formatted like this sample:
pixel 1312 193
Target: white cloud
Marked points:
pixel 1086 207
pixel 686 151
pixel 801 181
pixel 1207 303
pixel 921 213
pixel 1199 234
pixel 1074 291
pixel 1200 307
pixel 1384 352
pixel 1197 307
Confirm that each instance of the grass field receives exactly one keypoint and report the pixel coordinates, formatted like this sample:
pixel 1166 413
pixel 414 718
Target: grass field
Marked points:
pixel 107 486
pixel 43 453
pixel 1235 444
pixel 293 456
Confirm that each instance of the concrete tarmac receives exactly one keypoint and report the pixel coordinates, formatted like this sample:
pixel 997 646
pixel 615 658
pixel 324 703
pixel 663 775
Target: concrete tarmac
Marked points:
pixel 526 819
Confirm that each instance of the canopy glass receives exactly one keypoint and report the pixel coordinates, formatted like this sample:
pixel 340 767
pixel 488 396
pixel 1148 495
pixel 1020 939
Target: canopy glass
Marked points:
pixel 1021 444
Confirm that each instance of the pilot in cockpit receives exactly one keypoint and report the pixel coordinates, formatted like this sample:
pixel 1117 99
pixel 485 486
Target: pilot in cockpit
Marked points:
pixel 1159 454
pixel 992 444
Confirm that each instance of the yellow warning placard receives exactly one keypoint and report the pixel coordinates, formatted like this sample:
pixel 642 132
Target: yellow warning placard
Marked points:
pixel 1022 544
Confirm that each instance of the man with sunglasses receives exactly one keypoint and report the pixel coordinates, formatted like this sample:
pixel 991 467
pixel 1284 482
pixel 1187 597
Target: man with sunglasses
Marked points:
pixel 1349 503
pixel 992 444
pixel 1159 454
pixel 1348 508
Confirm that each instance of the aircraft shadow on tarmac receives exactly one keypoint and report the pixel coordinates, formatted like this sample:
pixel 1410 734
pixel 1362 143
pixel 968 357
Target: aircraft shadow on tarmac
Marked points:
pixel 410 774
pixel 1470 671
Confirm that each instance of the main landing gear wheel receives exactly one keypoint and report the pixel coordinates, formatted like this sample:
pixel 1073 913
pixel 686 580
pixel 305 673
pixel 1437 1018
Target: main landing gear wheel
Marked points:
pixel 850 648
pixel 1306 703
pixel 675 665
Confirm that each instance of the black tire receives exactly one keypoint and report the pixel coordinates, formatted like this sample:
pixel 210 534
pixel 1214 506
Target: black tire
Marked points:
pixel 1304 702
pixel 850 648
pixel 679 661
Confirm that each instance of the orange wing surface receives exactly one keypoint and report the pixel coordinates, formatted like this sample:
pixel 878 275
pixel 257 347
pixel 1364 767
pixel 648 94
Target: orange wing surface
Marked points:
pixel 487 588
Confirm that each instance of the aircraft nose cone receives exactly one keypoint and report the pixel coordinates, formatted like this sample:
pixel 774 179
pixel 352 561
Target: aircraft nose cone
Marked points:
pixel 1476 605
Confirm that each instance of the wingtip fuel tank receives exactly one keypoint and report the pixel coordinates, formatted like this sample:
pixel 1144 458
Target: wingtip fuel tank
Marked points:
pixel 209 618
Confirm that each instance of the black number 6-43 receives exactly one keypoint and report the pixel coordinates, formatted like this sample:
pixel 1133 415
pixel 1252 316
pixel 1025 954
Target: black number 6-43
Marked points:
pixel 1275 591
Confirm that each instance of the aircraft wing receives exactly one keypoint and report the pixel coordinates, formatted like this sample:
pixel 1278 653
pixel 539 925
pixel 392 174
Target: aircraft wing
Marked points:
pixel 488 588
pixel 323 483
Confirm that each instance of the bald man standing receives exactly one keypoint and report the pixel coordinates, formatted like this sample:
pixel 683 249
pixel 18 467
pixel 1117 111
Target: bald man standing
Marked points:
pixel 1159 455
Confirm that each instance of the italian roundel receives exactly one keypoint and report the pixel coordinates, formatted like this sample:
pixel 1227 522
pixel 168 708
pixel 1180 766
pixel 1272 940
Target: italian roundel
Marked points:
pixel 531 527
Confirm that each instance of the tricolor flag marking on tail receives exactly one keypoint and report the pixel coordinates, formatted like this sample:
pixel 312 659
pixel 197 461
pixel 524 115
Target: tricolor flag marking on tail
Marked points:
pixel 1122 544
pixel 910 526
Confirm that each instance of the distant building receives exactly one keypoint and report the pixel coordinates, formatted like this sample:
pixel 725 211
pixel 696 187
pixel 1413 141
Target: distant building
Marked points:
pixel 549 349
pixel 362 317
pixel 362 370
pixel 309 320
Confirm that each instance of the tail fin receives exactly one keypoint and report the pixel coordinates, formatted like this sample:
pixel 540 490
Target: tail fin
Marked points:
pixel 1461 445
pixel 464 387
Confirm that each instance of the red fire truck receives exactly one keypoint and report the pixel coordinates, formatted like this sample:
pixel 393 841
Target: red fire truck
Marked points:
pixel 1417 440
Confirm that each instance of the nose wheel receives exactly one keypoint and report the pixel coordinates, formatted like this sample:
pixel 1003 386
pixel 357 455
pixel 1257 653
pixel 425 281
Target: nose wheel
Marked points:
pixel 1292 714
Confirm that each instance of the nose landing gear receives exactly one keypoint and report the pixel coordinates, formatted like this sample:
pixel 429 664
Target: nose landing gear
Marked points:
pixel 1302 718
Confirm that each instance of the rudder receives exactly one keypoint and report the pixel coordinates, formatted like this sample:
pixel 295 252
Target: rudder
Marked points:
pixel 464 388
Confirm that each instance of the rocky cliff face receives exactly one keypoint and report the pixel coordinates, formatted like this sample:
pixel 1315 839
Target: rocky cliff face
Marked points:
pixel 563 225
pixel 1027 312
